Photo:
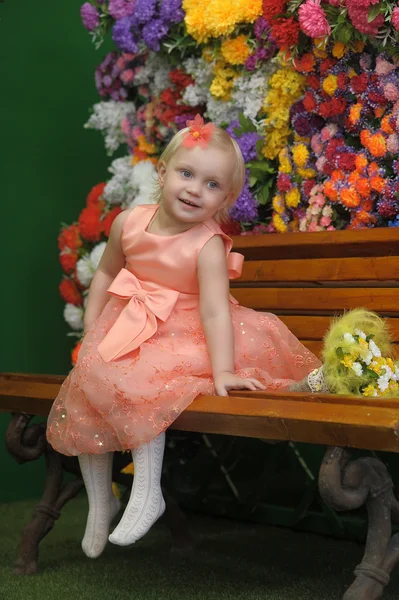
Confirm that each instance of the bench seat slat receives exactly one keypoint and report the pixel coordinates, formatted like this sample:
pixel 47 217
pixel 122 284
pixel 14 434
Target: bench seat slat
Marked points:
pixel 382 268
pixel 383 300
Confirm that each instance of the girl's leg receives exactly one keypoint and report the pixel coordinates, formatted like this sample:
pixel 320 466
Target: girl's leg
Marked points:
pixel 146 503
pixel 314 382
pixel 103 506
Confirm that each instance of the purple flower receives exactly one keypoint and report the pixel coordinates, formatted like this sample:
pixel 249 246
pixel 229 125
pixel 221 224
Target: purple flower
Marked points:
pixel 262 29
pixel 171 11
pixel 143 12
pixel 153 32
pixel 90 16
pixel 246 207
pixel 246 141
pixel 120 8
pixel 123 36
pixel 251 62
pixel 181 120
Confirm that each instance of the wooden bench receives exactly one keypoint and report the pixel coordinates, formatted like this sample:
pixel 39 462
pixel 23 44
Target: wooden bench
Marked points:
pixel 305 279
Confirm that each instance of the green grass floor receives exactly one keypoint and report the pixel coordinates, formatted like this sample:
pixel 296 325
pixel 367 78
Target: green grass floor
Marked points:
pixel 232 560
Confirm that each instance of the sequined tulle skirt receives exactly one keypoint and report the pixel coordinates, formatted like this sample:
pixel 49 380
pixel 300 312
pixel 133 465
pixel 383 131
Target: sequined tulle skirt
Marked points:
pixel 118 405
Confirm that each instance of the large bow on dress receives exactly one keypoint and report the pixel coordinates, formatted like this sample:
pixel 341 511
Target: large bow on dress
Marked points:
pixel 138 320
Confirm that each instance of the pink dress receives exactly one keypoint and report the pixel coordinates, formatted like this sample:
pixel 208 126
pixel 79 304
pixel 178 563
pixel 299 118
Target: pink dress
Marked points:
pixel 145 359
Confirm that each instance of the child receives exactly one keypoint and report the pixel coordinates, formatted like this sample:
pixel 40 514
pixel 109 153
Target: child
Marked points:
pixel 169 331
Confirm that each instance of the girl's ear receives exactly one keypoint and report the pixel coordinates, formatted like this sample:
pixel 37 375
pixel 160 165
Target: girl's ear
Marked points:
pixel 161 172
pixel 228 199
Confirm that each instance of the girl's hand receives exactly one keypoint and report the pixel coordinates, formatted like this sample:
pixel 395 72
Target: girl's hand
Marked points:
pixel 228 381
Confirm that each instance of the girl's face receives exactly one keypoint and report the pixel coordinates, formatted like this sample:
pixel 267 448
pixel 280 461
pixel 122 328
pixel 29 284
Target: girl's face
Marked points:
pixel 196 183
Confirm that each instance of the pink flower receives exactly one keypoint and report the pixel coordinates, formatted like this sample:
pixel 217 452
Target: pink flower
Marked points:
pixel 391 92
pixel 313 226
pixel 125 126
pixel 319 200
pixel 365 61
pixel 361 3
pixel 316 144
pixel 334 2
pixel 328 132
pixel 325 221
pixel 331 228
pixel 321 161
pixel 395 18
pixel 393 143
pixel 359 18
pixel 198 133
pixel 313 20
pixel 383 67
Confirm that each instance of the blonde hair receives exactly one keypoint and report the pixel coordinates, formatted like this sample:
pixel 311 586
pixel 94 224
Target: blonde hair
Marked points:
pixel 220 139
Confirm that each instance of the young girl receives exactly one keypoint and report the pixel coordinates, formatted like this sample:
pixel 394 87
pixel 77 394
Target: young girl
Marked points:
pixel 161 328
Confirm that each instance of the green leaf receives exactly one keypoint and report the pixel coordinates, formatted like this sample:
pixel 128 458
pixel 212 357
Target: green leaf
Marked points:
pixel 246 125
pixel 343 33
pixel 264 195
pixel 373 12
pixel 339 352
pixel 252 180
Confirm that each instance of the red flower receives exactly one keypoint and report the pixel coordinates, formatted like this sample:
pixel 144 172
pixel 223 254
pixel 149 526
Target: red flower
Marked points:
pixel 69 238
pixel 342 81
pixel 95 194
pixel 109 219
pixel 285 32
pixel 283 182
pixel 313 81
pixel 346 161
pixel 308 185
pixel 338 106
pixel 180 78
pixel 69 292
pixel 376 98
pixel 68 260
pixel 231 228
pixel 359 83
pixel 272 8
pixel 332 148
pixel 325 109
pixel 326 65
pixel 309 101
pixel 75 353
pixel 90 224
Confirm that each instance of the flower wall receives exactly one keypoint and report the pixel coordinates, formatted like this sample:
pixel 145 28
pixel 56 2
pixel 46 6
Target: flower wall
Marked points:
pixel 309 90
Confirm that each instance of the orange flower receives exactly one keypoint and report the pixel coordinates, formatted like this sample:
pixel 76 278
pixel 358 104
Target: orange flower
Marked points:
pixel 379 111
pixel 68 260
pixel 363 187
pixel 367 205
pixel 353 178
pixel 330 191
pixel 363 217
pixel 373 169
pixel 365 136
pixel 350 198
pixel 109 219
pixel 337 175
pixel 69 292
pixel 90 224
pixel 385 125
pixel 377 145
pixel 377 183
pixel 306 63
pixel 360 162
pixel 75 352
pixel 355 112
pixel 95 194
pixel 69 238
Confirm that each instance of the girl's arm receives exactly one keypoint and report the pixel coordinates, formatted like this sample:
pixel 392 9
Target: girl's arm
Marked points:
pixel 112 261
pixel 215 313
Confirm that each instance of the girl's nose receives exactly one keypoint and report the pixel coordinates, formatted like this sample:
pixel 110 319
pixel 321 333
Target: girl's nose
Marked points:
pixel 193 188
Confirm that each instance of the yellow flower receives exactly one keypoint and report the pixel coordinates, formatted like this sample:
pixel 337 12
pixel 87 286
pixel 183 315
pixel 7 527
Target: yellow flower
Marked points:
pixel 339 49
pixel 236 50
pixel 320 42
pixel 306 173
pixel 369 390
pixel 347 361
pixel 285 165
pixel 351 73
pixel 278 204
pixel 377 364
pixel 279 224
pixel 300 154
pixel 215 18
pixel 293 197
pixel 224 80
pixel 330 84
pixel 145 146
pixel 393 389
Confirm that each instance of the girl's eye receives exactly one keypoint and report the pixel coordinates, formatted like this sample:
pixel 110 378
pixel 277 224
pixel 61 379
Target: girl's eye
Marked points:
pixel 213 185
pixel 186 174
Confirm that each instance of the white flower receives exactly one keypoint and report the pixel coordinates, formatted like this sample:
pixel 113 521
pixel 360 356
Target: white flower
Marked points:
pixel 383 383
pixel 348 337
pixel 87 265
pixel 374 348
pixel 357 367
pixel 360 333
pixel 73 315
pixel 249 90
pixel 368 358
pixel 131 185
pixel 107 118
pixel 220 112
pixel 195 95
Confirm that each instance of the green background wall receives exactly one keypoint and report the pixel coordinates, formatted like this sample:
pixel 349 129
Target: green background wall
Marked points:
pixel 48 165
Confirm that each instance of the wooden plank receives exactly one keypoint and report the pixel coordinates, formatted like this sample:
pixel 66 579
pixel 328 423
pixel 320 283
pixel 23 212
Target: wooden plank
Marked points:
pixel 321 244
pixel 314 328
pixel 383 300
pixel 370 428
pixel 382 268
